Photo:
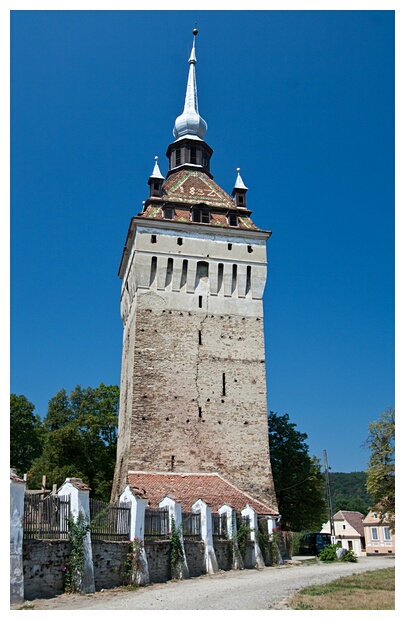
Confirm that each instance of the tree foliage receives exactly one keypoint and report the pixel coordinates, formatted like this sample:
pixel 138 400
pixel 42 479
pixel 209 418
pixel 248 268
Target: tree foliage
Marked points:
pixel 348 491
pixel 299 482
pixel 26 434
pixel 80 439
pixel 381 465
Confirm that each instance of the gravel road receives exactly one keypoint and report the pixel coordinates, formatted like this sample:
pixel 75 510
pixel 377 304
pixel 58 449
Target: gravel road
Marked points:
pixel 268 588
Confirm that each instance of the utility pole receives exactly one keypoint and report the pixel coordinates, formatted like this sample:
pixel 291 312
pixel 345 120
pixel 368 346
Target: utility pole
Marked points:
pixel 328 495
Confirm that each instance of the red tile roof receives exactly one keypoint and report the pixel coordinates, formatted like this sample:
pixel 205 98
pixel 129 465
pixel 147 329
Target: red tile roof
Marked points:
pixel 188 488
pixel 186 188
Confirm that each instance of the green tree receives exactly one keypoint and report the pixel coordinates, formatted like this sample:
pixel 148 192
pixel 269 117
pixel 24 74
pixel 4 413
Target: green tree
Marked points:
pixel 381 466
pixel 26 434
pixel 80 439
pixel 298 480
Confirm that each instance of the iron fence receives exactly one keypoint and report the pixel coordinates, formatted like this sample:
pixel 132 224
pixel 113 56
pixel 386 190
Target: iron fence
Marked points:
pixel 219 528
pixel 109 521
pixel 46 517
pixel 157 523
pixel 191 524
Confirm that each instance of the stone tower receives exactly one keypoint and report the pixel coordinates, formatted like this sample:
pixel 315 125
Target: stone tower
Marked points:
pixel 193 270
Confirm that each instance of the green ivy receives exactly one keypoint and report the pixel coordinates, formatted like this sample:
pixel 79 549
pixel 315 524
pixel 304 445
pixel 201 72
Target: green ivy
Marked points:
pixel 132 562
pixel 74 568
pixel 243 537
pixel 176 551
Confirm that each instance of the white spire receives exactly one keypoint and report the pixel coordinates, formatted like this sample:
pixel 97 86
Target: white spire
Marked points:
pixel 239 184
pixel 190 123
pixel 156 174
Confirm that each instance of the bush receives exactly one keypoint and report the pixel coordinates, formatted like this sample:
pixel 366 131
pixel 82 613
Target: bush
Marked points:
pixel 348 556
pixel 328 554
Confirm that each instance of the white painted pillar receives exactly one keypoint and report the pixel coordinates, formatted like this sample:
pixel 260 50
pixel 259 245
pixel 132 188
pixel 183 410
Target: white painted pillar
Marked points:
pixel 258 558
pixel 17 490
pixel 211 563
pixel 137 531
pixel 175 514
pixel 229 512
pixel 79 504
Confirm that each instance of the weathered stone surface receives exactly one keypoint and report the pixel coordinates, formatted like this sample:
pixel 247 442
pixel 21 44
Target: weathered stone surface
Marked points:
pixel 109 559
pixel 44 562
pixel 158 556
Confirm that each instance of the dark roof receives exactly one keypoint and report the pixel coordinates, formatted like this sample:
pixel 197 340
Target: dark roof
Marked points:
pixel 188 488
pixel 354 518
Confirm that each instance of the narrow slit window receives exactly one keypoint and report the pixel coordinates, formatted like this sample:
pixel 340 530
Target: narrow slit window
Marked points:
pixel 153 268
pixel 234 278
pixel 153 238
pixel 248 279
pixel 200 301
pixel 249 249
pixel 183 279
pixel 220 277
pixel 179 241
pixel 193 155
pixel 199 412
pixel 223 384
pixel 169 272
pixel 199 337
pixel 178 157
pixel 229 246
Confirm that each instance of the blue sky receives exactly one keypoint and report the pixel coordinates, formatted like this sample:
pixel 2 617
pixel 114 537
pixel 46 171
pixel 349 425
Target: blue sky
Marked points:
pixel 301 101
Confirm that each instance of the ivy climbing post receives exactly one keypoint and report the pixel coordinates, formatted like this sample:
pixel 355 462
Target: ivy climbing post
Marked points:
pixel 140 571
pixel 178 562
pixel 231 528
pixel 80 514
pixel 257 554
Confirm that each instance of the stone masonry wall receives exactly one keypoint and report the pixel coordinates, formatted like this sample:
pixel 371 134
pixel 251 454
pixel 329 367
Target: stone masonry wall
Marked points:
pixel 195 554
pixel 109 563
pixel 223 553
pixel 158 556
pixel 43 567
pixel 199 402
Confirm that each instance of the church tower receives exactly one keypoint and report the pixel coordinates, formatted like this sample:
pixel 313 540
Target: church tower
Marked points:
pixel 193 270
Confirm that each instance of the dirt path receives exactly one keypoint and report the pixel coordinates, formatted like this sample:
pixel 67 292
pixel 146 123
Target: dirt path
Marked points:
pixel 248 589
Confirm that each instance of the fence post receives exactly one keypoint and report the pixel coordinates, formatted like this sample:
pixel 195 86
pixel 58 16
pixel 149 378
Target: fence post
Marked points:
pixel 257 554
pixel 79 504
pixel 17 490
pixel 175 513
pixel 206 534
pixel 237 561
pixel 137 531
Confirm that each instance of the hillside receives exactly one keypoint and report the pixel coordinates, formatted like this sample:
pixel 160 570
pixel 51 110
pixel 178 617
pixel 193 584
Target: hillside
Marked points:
pixel 348 491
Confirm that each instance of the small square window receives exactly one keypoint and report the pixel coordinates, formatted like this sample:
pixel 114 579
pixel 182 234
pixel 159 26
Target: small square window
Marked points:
pixel 232 219
pixel 168 213
pixel 153 238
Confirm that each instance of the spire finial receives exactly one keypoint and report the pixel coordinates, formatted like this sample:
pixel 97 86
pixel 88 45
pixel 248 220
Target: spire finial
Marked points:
pixel 190 121
pixel 156 174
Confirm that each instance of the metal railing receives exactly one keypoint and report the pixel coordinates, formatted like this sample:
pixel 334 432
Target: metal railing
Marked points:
pixel 156 523
pixel 109 521
pixel 219 529
pixel 46 517
pixel 191 525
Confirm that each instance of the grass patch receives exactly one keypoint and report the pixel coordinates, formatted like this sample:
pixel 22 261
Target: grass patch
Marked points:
pixel 369 590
